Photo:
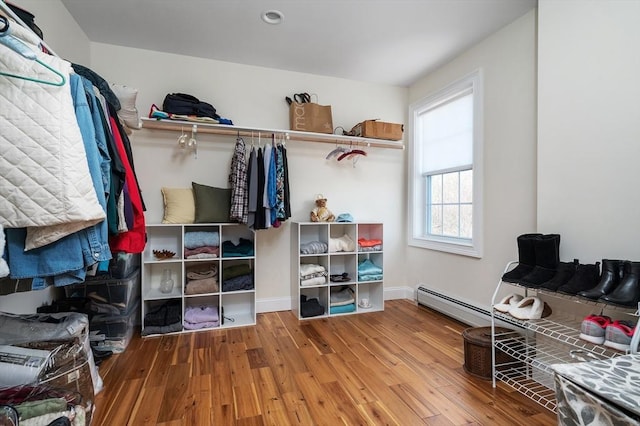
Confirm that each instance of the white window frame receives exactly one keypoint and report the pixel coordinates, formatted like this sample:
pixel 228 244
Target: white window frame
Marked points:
pixel 417 234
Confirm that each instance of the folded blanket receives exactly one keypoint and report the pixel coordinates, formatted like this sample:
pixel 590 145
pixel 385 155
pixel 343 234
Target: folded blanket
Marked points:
pixel 377 247
pixel 362 242
pixel 342 309
pixel 368 267
pixel 313 281
pixel 236 270
pixel 193 239
pixel 344 243
pixel 314 275
pixel 202 256
pixel 369 277
pixel 204 313
pixel 161 329
pixel 207 285
pixel 243 282
pixel 310 268
pixel 199 325
pixel 201 272
pixel 243 249
pixel 211 250
pixel 342 297
pixel 313 247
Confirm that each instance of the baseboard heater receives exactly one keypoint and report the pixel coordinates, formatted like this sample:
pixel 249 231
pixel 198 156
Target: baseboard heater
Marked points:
pixel 455 308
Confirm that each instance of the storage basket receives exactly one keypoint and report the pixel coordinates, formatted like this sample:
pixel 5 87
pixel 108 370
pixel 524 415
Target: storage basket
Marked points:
pixel 477 351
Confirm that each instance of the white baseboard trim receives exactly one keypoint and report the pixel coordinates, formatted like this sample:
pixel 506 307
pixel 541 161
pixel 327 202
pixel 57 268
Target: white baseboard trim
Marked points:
pixel 274 304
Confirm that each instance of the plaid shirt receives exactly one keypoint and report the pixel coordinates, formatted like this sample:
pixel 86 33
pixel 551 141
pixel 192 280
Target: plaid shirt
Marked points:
pixel 239 187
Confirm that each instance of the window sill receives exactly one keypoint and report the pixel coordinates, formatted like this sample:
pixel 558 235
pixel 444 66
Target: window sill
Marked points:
pixel 463 249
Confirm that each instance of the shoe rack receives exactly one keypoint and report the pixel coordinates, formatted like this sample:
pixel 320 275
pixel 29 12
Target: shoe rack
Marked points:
pixel 535 345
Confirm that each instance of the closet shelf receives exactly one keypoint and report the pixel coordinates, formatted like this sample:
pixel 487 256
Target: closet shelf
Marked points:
pixel 226 130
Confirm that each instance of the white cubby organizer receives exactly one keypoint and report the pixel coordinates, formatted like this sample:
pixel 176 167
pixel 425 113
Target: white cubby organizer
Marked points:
pixel 236 308
pixel 336 263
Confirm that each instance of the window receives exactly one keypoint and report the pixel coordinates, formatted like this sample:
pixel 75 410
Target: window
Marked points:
pixel 445 169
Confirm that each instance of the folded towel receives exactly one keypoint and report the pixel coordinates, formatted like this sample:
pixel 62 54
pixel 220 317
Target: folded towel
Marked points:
pixel 201 272
pixel 207 285
pixel 344 295
pixel 212 250
pixel 193 239
pixel 342 309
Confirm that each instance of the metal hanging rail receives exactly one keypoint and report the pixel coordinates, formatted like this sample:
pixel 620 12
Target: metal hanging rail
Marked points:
pixel 226 130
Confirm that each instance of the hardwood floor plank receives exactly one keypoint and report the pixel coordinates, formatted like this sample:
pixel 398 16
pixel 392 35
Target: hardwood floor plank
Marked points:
pixel 401 366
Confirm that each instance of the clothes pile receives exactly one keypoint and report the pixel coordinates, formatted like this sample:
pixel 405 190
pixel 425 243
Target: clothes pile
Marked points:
pixel 342 301
pixel 369 245
pixel 201 244
pixel 310 307
pixel 244 248
pixel 165 318
pixel 237 277
pixel 369 271
pixel 312 274
pixel 204 316
pixel 201 279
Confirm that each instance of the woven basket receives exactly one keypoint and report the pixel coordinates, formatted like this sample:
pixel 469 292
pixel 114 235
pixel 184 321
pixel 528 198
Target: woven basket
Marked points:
pixel 477 351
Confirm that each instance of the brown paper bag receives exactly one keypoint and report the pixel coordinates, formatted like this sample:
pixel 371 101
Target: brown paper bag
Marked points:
pixel 310 117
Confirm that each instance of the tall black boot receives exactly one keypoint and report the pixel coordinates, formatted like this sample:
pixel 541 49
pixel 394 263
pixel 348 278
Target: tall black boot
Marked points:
pixel 526 258
pixel 586 277
pixel 628 291
pixel 547 248
pixel 609 279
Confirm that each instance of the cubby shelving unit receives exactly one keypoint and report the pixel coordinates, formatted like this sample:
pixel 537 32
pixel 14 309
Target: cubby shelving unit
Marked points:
pixel 236 308
pixel 336 263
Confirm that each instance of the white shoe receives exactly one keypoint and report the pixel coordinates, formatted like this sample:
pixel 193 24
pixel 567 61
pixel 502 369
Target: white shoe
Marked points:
pixel 530 308
pixel 508 302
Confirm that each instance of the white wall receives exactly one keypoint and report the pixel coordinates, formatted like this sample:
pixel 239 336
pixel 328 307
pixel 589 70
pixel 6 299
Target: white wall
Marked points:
pixel 589 127
pixel 254 96
pixel 60 30
pixel 508 61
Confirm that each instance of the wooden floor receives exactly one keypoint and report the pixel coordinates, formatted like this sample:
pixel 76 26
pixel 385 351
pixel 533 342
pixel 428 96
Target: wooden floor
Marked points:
pixel 402 366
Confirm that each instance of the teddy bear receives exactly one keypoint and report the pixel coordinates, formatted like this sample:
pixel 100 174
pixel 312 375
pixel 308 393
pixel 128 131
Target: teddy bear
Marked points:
pixel 320 212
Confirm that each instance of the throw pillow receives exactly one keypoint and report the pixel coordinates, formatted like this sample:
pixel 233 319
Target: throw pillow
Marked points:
pixel 213 204
pixel 179 205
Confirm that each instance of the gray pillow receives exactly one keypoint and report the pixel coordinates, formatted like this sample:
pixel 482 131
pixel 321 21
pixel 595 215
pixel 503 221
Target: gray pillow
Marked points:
pixel 212 204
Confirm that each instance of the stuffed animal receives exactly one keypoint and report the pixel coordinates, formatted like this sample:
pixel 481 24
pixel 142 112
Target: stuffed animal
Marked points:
pixel 321 213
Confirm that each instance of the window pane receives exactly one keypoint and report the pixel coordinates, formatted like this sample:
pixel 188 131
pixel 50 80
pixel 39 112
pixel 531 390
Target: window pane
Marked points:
pixel 450 221
pixel 435 227
pixel 436 189
pixel 466 221
pixel 466 186
pixel 450 187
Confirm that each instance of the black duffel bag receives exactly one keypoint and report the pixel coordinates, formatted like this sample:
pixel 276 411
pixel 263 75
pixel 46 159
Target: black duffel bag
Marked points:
pixel 183 104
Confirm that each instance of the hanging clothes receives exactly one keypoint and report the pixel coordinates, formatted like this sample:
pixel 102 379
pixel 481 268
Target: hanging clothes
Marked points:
pixel 252 177
pixel 42 148
pixel 239 184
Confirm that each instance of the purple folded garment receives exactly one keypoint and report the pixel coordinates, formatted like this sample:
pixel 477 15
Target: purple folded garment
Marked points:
pixel 198 314
pixel 199 325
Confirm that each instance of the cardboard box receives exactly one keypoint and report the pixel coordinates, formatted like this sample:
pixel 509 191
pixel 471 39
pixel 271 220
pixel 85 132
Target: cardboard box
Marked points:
pixel 378 130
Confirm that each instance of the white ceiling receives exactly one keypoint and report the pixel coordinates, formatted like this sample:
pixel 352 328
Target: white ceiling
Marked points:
pixel 382 41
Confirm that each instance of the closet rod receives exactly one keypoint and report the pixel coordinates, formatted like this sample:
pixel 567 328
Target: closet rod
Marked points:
pixel 10 13
pixel 225 130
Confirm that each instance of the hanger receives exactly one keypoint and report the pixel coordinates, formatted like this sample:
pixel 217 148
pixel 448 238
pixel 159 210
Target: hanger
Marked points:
pixel 21 48
pixel 337 151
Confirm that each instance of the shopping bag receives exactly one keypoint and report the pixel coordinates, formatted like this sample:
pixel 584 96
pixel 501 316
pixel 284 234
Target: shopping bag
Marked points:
pixel 310 117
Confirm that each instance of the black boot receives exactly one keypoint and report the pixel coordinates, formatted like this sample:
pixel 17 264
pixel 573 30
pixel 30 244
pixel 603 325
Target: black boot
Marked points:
pixel 585 278
pixel 526 258
pixel 564 273
pixel 610 278
pixel 628 291
pixel 547 248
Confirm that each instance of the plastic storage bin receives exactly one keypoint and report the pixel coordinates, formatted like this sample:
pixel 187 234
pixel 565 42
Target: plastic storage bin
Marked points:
pixel 124 264
pixel 122 293
pixel 113 332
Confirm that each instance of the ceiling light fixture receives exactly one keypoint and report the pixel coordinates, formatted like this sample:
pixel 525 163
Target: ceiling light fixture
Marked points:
pixel 273 17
